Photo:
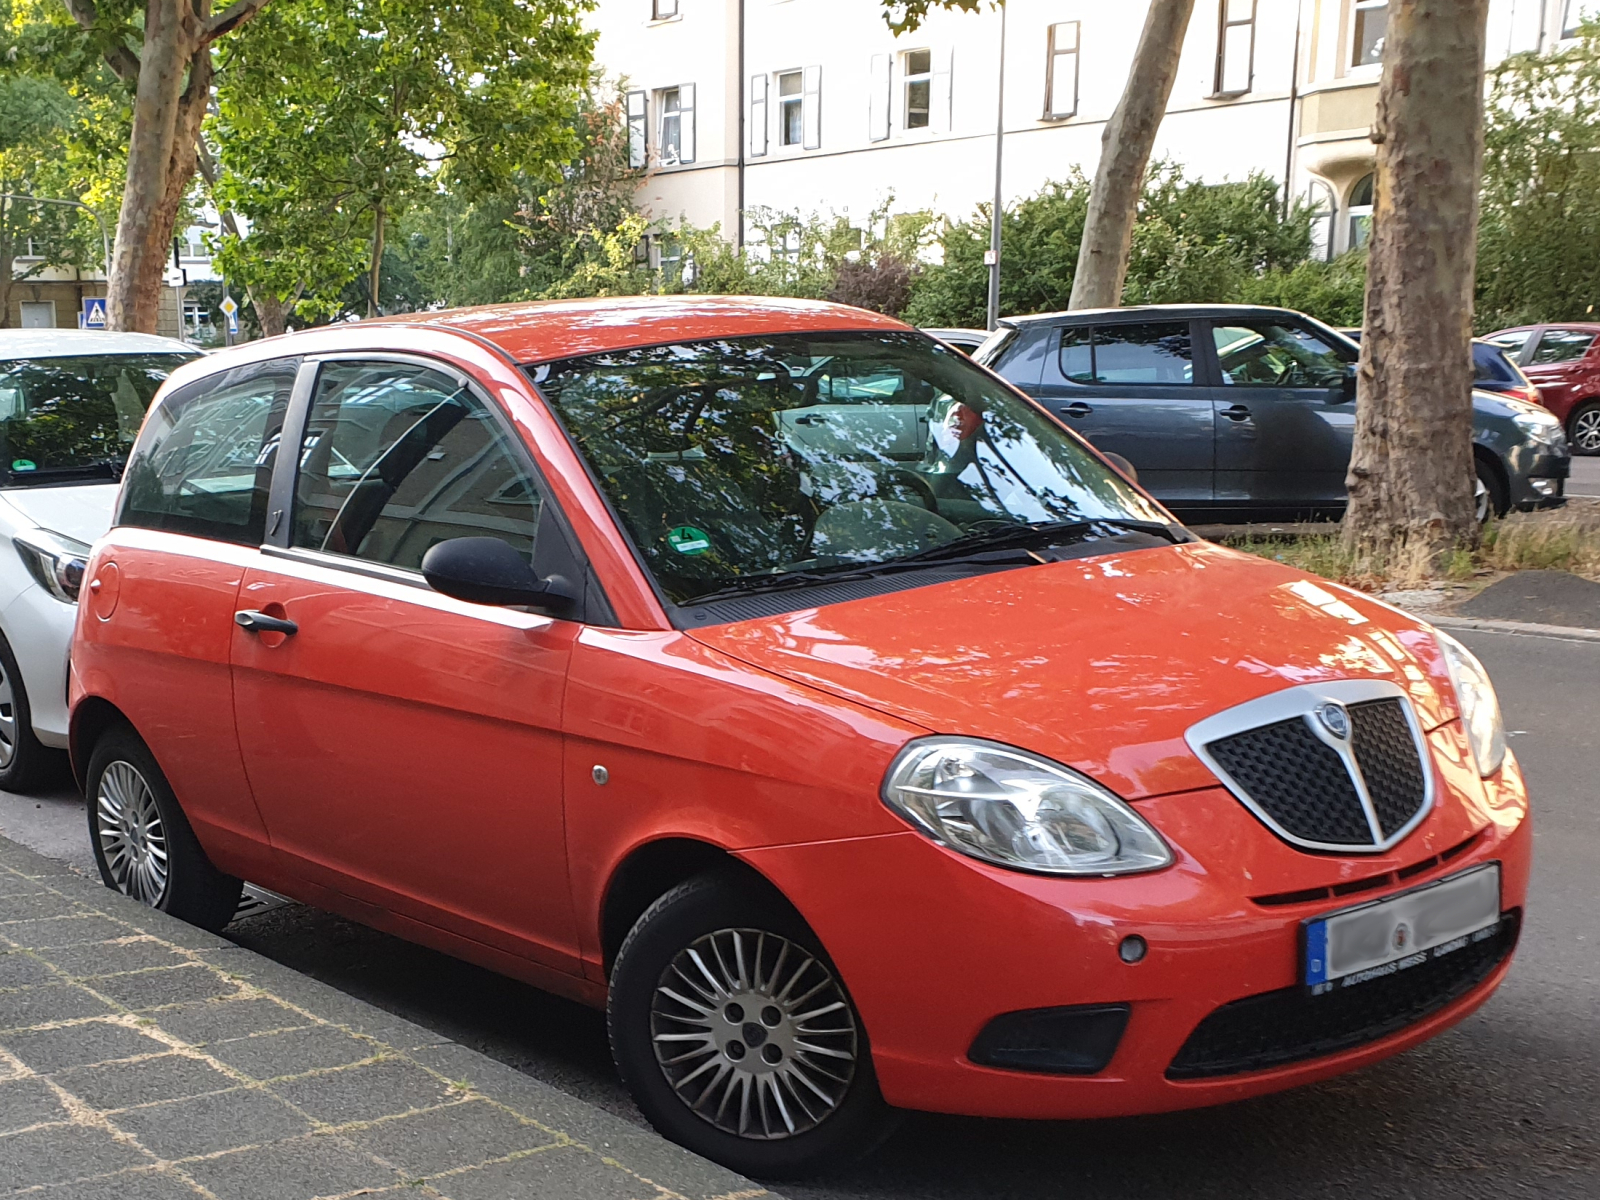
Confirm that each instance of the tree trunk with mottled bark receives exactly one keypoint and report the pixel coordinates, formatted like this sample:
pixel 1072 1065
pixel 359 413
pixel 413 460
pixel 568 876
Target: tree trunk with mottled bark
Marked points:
pixel 1411 470
pixel 1125 148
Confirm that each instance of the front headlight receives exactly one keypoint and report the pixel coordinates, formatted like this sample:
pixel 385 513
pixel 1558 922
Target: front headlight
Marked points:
pixel 1015 809
pixel 1540 426
pixel 1480 709
pixel 57 562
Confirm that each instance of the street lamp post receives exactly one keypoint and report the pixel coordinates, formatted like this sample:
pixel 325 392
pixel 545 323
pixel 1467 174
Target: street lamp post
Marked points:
pixel 993 256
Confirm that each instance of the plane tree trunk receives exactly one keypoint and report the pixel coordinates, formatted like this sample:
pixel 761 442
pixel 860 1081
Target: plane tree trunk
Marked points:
pixel 1411 471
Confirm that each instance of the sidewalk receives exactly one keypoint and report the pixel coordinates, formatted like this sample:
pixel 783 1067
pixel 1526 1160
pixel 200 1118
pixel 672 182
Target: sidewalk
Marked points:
pixel 144 1059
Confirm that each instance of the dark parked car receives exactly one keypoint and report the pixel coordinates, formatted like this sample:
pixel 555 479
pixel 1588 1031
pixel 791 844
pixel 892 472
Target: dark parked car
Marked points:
pixel 1564 361
pixel 1493 370
pixel 1231 411
pixel 965 340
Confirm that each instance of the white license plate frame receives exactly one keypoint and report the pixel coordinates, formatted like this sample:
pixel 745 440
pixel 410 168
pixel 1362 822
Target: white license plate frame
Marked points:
pixel 1355 945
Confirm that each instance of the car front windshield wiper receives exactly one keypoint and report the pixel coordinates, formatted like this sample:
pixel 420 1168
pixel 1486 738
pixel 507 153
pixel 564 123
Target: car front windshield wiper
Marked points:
pixel 1034 535
pixel 1176 534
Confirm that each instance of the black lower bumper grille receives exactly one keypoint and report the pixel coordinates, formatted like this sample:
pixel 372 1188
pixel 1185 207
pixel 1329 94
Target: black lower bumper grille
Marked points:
pixel 1288 1026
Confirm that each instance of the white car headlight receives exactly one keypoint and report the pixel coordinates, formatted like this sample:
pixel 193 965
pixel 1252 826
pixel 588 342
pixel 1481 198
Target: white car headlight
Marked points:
pixel 1015 809
pixel 57 562
pixel 1540 426
pixel 1480 708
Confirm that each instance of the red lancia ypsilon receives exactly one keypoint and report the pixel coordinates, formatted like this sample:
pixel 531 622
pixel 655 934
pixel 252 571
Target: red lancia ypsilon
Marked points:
pixel 772 675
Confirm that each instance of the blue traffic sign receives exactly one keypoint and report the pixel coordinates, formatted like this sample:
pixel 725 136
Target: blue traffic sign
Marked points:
pixel 94 313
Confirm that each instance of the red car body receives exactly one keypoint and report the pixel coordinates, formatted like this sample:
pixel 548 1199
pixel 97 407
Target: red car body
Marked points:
pixel 1563 362
pixel 429 767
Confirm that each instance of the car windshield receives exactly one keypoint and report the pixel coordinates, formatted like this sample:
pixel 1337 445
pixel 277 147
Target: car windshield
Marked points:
pixel 750 462
pixel 68 419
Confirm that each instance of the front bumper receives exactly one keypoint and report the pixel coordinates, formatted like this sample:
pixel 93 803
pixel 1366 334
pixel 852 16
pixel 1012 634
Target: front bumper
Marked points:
pixel 39 628
pixel 1537 477
pixel 933 946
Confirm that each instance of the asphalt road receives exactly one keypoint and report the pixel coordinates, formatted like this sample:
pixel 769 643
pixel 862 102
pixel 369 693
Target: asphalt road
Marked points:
pixel 1507 1103
pixel 1585 480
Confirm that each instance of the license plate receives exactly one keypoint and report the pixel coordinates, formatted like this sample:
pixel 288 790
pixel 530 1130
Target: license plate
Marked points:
pixel 1347 948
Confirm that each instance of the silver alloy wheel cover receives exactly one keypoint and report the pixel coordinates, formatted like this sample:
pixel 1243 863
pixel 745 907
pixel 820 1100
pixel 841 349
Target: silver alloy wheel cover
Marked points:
pixel 1586 430
pixel 754 1033
pixel 1482 508
pixel 133 838
pixel 8 720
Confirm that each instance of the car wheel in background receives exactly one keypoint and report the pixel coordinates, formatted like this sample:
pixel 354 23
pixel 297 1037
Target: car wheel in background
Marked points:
pixel 736 1037
pixel 1583 428
pixel 25 762
pixel 142 841
pixel 1491 498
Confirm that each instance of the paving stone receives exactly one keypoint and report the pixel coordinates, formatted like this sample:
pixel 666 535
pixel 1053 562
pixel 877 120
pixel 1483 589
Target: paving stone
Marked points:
pixel 141 1183
pixel 111 958
pixel 62 1152
pixel 208 1124
pixel 562 1171
pixel 270 1055
pixel 23 970
pixel 153 989
pixel 207 1021
pixel 320 1165
pixel 35 906
pixel 25 1102
pixel 364 1093
pixel 12 884
pixel 46 933
pixel 52 1002
pixel 51 1050
pixel 120 1085
pixel 443 1139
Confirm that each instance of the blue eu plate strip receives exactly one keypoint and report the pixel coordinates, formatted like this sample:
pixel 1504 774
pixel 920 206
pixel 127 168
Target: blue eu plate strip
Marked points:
pixel 1316 953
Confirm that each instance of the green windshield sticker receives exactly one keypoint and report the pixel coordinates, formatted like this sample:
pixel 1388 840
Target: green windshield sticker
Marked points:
pixel 686 539
pixel 24 464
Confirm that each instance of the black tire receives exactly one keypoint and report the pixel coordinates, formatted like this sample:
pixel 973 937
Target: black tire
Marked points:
pixel 191 889
pixel 1499 496
pixel 706 914
pixel 25 762
pixel 1583 428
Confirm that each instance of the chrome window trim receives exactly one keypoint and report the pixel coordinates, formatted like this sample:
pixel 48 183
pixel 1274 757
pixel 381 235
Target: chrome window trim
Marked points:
pixel 1302 701
pixel 343 562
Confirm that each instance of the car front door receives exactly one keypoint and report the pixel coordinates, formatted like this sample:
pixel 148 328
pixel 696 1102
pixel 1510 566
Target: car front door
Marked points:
pixel 1130 389
pixel 405 747
pixel 1286 416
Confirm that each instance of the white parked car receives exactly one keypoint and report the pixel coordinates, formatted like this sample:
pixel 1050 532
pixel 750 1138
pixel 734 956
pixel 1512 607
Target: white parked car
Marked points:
pixel 70 406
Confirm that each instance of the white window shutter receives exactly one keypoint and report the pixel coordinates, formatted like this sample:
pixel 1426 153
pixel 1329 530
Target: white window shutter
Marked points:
pixel 811 108
pixel 637 147
pixel 686 122
pixel 758 115
pixel 878 99
pixel 939 94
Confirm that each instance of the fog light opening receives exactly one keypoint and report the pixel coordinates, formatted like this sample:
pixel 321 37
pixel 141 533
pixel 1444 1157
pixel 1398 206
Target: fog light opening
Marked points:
pixel 1133 949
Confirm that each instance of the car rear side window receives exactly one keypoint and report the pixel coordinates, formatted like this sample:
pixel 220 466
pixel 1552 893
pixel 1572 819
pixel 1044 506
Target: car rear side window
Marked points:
pixel 1560 345
pixel 1159 352
pixel 1489 363
pixel 398 457
pixel 203 463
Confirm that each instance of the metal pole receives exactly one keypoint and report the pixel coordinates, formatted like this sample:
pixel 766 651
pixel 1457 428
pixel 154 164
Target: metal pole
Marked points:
pixel 993 257
pixel 105 241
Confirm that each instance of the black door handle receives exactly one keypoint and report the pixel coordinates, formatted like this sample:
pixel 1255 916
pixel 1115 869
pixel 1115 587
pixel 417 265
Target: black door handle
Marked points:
pixel 258 622
pixel 1077 409
pixel 1237 413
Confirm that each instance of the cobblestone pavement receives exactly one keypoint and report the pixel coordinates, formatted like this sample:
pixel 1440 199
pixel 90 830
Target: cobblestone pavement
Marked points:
pixel 144 1059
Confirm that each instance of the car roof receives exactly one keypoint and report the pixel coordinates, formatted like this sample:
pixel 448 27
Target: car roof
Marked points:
pixel 1166 311
pixel 1582 326
pixel 553 329
pixel 76 343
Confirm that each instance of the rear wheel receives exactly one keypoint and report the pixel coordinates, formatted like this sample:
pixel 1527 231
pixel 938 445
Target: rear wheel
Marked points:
pixel 25 762
pixel 1583 428
pixel 142 841
pixel 736 1036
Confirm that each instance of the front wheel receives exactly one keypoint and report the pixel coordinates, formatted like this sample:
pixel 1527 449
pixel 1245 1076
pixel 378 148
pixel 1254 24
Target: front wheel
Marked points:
pixel 142 842
pixel 1583 428
pixel 1490 497
pixel 736 1037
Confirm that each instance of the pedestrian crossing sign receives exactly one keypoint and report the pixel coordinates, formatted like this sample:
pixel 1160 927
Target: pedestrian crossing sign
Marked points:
pixel 94 313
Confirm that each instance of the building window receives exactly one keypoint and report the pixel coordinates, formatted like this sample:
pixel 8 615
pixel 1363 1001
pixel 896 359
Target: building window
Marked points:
pixel 1577 13
pixel 1372 22
pixel 638 147
pixel 675 132
pixel 1361 212
pixel 38 314
pixel 1061 72
pixel 663 10
pixel 918 68
pixel 1319 200
pixel 1236 47
pixel 791 109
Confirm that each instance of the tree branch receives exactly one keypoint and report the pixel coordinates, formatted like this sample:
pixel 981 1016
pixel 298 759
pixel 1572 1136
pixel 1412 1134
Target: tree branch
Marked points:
pixel 123 62
pixel 226 21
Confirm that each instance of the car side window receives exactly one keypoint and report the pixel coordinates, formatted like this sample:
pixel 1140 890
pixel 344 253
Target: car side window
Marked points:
pixel 1156 352
pixel 1511 342
pixel 203 462
pixel 1560 345
pixel 1267 354
pixel 396 458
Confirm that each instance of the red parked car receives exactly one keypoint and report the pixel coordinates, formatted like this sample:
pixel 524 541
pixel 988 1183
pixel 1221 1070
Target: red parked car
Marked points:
pixel 1563 361
pixel 772 675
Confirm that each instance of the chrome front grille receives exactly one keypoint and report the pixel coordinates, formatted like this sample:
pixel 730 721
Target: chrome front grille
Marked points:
pixel 1334 767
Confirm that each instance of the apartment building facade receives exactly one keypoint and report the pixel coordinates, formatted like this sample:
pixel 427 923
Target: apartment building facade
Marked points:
pixel 814 106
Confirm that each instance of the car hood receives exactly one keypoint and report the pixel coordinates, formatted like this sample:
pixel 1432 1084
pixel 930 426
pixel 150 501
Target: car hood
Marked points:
pixel 1100 663
pixel 81 511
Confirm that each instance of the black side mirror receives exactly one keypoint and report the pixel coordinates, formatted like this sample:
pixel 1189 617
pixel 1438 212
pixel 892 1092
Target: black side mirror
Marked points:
pixel 486 570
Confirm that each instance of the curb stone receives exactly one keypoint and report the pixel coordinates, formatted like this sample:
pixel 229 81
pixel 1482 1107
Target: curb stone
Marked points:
pixel 142 1057
pixel 1569 633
